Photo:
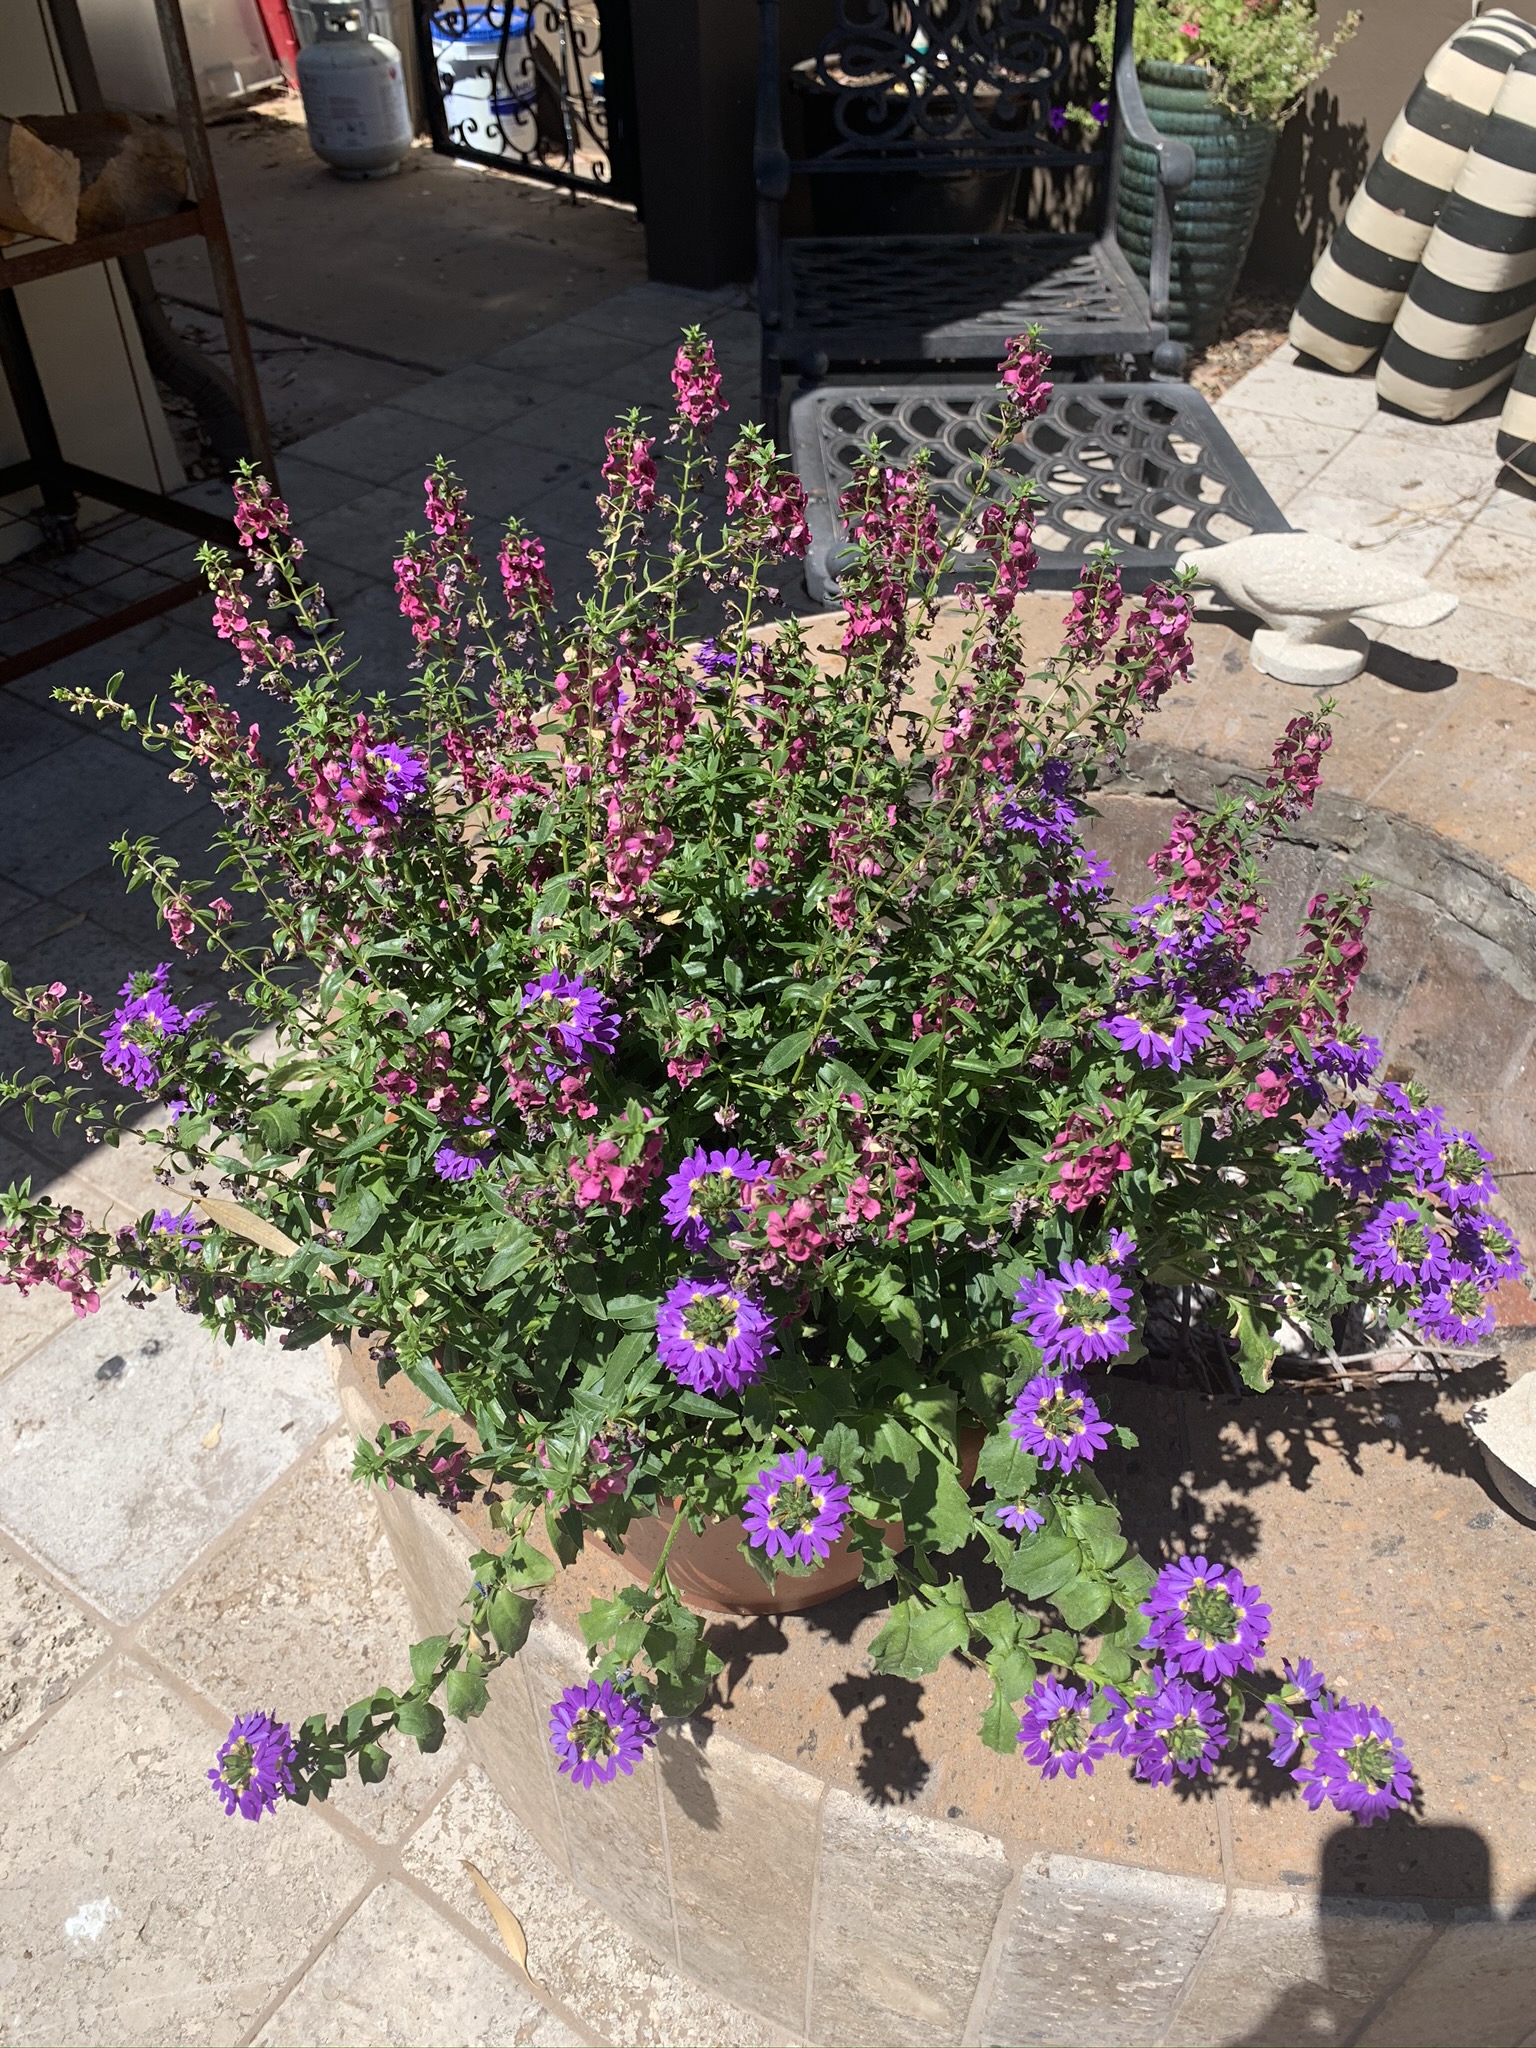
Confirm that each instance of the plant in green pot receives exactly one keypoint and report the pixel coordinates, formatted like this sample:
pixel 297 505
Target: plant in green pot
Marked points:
pixel 716 1080
pixel 1224 76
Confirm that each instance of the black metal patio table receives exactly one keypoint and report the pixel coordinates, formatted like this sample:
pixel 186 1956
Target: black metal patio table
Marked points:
pixel 1147 467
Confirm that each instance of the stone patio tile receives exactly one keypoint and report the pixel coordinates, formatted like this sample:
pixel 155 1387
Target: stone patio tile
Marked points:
pixel 1319 397
pixel 904 1913
pixel 58 824
pixel 569 353
pixel 656 312
pixel 1286 1970
pixel 572 425
pixel 1418 481
pixel 1475 433
pixel 29 733
pixel 1474 638
pixel 134 1438
pixel 134 1910
pixel 48 1643
pixel 1286 454
pixel 1475 1989
pixel 1376 527
pixel 400 1976
pixel 614 1986
pixel 306 1613
pixel 1492 568
pixel 376 446
pixel 1512 507
pixel 1095 1952
pixel 748 1925
pixel 364 533
pixel 1429 1031
pixel 480 395
pixel 1478 771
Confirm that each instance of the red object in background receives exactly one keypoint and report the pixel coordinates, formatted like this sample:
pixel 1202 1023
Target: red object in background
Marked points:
pixel 278 23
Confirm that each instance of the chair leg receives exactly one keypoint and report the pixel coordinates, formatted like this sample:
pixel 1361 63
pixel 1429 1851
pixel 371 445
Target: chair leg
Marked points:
pixel 772 390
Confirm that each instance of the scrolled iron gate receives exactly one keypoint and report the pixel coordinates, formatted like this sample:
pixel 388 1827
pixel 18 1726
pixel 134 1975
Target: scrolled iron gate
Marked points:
pixel 545 88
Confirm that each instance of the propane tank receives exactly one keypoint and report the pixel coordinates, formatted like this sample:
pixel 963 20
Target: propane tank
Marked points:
pixel 353 88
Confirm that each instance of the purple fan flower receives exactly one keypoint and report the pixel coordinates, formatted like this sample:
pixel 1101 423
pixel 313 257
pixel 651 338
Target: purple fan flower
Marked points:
pixel 1158 1045
pixel 1055 1419
pixel 142 1027
pixel 1242 1003
pixel 1305 1677
pixel 405 774
pixel 1457 1313
pixel 577 1019
pixel 1055 1731
pixel 1202 1618
pixel 1058 120
pixel 1099 109
pixel 1357 1764
pixel 1181 1731
pixel 1093 876
pixel 1485 1250
pixel 1351 1149
pixel 1046 813
pixel 1401 1247
pixel 1415 1134
pixel 711 1336
pixel 797 1508
pixel 1126 1726
pixel 451 1164
pixel 1348 1060
pixel 703 1196
pixel 711 659
pixel 1457 1171
pixel 1078 1317
pixel 185 1229
pixel 254 1767
pixel 1018 1517
pixel 597 1731
pixel 1287 1735
pixel 1122 1248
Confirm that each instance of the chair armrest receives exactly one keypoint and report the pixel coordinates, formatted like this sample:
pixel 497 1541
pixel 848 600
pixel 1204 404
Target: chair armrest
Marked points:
pixel 1175 159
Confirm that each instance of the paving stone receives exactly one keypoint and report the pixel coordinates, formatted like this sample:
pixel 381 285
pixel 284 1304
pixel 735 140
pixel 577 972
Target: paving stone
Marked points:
pixel 745 1923
pixel 134 1910
pixel 904 1913
pixel 303 1615
pixel 400 1976
pixel 1286 454
pixel 1461 1024
pixel 1476 638
pixel 364 534
pixel 48 1643
pixel 1492 568
pixel 1478 770
pixel 480 395
pixel 59 825
pixel 312 488
pixel 655 312
pixel 134 1437
pixel 1320 397
pixel 1096 1952
pixel 1286 1970
pixel 569 353
pixel 1380 526
pixel 614 1986
pixel 28 734
pixel 1475 1989
pixel 376 446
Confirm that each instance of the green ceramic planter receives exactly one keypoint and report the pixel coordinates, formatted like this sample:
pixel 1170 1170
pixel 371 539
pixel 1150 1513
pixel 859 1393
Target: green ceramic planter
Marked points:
pixel 1213 221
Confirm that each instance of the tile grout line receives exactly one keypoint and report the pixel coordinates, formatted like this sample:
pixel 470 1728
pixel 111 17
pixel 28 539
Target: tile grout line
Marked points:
pixel 1406 1971
pixel 813 1923
pixel 992 1961
pixel 666 1858
pixel 1212 1942
pixel 295 1978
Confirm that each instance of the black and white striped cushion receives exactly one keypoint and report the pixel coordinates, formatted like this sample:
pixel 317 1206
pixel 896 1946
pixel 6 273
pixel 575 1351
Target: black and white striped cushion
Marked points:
pixel 1347 310
pixel 1460 331
pixel 1517 422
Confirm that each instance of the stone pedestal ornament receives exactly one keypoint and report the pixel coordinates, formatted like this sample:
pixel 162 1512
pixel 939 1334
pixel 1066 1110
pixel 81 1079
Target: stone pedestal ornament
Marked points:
pixel 1506 1429
pixel 1310 591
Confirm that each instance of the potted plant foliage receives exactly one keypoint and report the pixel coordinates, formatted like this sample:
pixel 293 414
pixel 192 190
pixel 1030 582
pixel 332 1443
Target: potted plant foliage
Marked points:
pixel 717 1078
pixel 1224 76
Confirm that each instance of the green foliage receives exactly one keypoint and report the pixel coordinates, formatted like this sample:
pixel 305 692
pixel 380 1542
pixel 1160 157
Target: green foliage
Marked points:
pixel 1263 55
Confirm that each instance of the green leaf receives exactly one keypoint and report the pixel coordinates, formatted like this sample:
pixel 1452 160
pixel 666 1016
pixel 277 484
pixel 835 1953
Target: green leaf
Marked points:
pixel 1127 1439
pixel 464 1692
pixel 1191 1131
pixel 1082 1600
pixel 917 1638
pixel 900 1317
pixel 356 1216
pixel 840 1448
pixel 1112 1665
pixel 942 1519
pixel 603 1619
pixel 423 1722
pixel 788 1052
pixel 1000 1724
pixel 1013 1671
pixel 372 1763
pixel 426 1379
pixel 1256 1348
pixel 1009 1471
pixel 522 1565
pixel 1097 1524
pixel 1057 1647
pixel 426 1657
pixel 509 1617
pixel 1042 1563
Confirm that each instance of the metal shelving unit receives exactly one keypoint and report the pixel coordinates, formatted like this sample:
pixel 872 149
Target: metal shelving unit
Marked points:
pixel 45 468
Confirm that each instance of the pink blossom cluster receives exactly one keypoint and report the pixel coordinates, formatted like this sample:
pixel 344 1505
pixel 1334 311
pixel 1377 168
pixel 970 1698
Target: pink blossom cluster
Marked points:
pixel 885 1187
pixel 44 1253
pixel 1005 534
pixel 1297 768
pixel 629 474
pixel 764 499
pixel 1156 651
pixel 427 1078
pixel 696 381
pixel 264 656
pixel 854 846
pixel 983 731
pixel 262 518
pixel 524 573
pixel 1089 1163
pixel 1095 610
pixel 891 518
pixel 634 847
pixel 213 734
pixel 1333 943
pixel 54 1041
pixel 434 577
pixel 1022 374
pixel 356 791
pixel 690 1055
pixel 604 1181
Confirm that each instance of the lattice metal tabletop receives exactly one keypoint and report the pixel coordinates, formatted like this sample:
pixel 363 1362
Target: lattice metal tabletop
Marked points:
pixel 1147 467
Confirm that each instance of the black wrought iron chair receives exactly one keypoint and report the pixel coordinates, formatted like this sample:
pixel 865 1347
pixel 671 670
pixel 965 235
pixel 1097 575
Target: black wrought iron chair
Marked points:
pixel 915 109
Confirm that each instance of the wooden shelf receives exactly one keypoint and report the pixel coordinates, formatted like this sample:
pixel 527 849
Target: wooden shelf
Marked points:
pixel 54 258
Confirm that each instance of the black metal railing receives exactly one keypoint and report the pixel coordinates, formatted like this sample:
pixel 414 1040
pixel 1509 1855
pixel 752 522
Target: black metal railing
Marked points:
pixel 544 88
